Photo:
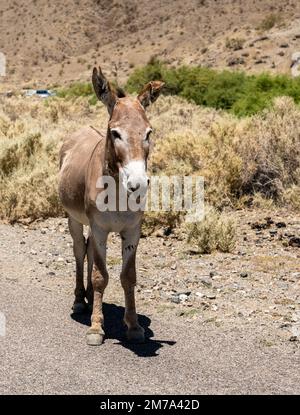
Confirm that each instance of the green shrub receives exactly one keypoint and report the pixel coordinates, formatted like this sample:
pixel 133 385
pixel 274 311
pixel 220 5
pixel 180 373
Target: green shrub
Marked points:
pixel 78 89
pixel 235 92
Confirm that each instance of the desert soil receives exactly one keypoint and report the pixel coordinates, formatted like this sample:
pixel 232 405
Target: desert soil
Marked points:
pixel 220 323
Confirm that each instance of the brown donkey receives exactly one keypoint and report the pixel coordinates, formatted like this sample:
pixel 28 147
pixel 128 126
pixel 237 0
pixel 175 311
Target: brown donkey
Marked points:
pixel 85 158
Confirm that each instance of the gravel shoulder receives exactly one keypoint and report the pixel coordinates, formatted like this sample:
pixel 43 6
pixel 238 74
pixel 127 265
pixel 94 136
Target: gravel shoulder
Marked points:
pixel 221 323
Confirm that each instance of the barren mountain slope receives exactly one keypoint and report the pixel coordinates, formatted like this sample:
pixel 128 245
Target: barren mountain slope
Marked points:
pixel 59 41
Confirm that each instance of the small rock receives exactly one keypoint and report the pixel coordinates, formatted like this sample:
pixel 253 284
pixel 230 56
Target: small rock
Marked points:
pixel 22 242
pixel 40 261
pixel 167 231
pixel 211 296
pixel 293 338
pixel 33 252
pixel 295 274
pixel 280 225
pixel 159 233
pixel 175 299
pixel 235 61
pixel 284 45
pixel 174 266
pixel 285 325
pixel 261 38
pixel 295 242
pixel 51 273
pixel 207 282
pixel 182 297
pixel 198 294
pixel 244 274
pixel 259 226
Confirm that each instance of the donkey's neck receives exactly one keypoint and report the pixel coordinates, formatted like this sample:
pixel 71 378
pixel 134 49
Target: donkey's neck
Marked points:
pixel 110 165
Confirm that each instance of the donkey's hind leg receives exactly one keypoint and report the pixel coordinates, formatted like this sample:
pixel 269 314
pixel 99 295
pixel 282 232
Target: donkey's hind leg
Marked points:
pixel 79 249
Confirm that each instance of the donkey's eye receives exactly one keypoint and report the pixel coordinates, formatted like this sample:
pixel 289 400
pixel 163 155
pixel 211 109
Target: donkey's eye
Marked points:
pixel 147 138
pixel 116 135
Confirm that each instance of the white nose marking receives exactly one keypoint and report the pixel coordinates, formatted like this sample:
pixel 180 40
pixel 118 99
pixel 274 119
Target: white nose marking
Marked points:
pixel 134 175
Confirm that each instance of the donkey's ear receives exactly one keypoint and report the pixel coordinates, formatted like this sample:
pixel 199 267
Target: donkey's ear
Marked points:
pixel 103 90
pixel 150 92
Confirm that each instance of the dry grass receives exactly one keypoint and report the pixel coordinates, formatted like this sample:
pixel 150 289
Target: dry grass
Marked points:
pixel 270 21
pixel 30 135
pixel 215 232
pixel 260 154
pixel 292 197
pixel 257 156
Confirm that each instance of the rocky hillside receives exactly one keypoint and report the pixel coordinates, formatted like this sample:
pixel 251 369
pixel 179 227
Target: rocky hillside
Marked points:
pixel 48 42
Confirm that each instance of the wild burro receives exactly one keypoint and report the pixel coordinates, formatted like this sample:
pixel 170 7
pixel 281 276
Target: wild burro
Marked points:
pixel 87 157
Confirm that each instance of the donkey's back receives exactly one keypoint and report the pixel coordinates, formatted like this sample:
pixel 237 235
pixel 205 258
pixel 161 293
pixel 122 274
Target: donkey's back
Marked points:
pixel 75 155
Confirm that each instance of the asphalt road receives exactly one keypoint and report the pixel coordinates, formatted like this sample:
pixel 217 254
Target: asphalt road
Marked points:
pixel 44 350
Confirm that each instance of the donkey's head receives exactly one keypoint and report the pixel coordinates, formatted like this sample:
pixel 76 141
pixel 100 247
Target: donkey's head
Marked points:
pixel 129 130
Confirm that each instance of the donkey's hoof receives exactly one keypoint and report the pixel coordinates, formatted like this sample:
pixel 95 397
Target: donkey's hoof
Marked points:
pixel 94 339
pixel 79 308
pixel 136 335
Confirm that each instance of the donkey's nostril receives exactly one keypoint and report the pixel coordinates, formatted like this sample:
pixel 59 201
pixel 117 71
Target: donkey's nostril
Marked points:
pixel 133 187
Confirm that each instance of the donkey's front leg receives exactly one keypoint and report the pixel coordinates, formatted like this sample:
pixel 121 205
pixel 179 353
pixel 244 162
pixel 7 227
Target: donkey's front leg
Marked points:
pixel 130 240
pixel 95 334
pixel 90 263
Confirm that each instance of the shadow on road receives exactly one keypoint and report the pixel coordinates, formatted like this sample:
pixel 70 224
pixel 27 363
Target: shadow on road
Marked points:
pixel 115 329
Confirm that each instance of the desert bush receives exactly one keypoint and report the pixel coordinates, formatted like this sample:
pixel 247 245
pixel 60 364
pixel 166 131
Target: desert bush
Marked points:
pixel 270 150
pixel 234 43
pixel 291 197
pixel 240 159
pixel 215 232
pixel 160 220
pixel 236 157
pixel 80 89
pixel 77 89
pixel 30 138
pixel 269 21
pixel 236 92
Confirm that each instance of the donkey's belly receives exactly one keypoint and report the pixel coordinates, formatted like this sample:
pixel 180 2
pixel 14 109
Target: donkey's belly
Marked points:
pixel 117 221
